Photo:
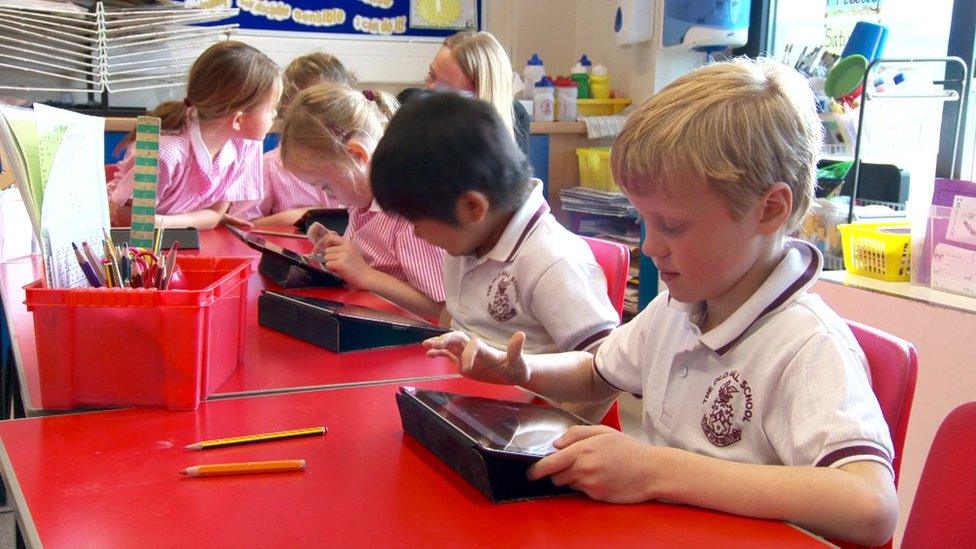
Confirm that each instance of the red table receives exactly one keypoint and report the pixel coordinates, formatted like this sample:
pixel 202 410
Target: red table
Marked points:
pixel 109 479
pixel 272 361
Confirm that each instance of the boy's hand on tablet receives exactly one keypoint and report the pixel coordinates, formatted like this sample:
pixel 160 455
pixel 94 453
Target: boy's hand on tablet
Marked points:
pixel 342 258
pixel 602 462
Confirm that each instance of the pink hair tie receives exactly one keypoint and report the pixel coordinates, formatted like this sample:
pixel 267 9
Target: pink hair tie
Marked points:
pixel 369 95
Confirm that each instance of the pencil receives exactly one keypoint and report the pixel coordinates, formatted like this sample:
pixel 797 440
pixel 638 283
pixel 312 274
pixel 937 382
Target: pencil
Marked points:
pixel 261 437
pixel 245 468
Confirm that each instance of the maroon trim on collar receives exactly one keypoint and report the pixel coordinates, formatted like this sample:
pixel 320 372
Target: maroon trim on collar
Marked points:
pixel 543 209
pixel 593 339
pixel 851 451
pixel 596 369
pixel 800 282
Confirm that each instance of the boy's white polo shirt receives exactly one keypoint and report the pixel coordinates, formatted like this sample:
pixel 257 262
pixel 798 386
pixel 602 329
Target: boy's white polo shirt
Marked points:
pixel 539 278
pixel 782 381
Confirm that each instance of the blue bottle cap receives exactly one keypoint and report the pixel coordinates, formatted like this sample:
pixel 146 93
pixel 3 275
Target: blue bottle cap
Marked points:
pixel 546 82
pixel 584 60
pixel 899 78
pixel 535 60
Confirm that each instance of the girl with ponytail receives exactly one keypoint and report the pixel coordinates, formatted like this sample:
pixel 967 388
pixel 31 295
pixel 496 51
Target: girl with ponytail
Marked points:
pixel 211 143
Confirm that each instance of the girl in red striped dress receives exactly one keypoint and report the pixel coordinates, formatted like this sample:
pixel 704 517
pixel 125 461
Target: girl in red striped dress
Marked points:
pixel 328 140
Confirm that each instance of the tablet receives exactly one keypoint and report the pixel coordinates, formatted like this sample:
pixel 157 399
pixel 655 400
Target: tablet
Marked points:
pixel 514 429
pixel 306 262
pixel 358 312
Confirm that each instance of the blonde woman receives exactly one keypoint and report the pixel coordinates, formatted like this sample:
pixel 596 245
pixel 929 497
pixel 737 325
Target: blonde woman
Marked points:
pixel 475 62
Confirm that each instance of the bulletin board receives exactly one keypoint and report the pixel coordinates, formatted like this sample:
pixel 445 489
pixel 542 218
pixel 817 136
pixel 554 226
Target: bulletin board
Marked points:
pixel 385 18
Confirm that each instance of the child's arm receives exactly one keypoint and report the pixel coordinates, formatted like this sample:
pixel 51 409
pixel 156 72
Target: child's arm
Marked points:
pixel 120 215
pixel 344 259
pixel 855 501
pixel 287 217
pixel 207 218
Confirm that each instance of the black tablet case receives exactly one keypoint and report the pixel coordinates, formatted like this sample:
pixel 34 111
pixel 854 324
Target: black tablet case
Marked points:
pixel 289 275
pixel 189 238
pixel 500 479
pixel 332 330
pixel 334 219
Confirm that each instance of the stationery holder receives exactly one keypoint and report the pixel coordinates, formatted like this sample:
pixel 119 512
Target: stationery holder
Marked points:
pixel 289 275
pixel 500 479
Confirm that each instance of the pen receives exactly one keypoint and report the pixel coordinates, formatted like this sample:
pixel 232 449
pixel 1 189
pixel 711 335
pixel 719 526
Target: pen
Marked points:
pixel 245 468
pixel 94 262
pixel 261 437
pixel 86 269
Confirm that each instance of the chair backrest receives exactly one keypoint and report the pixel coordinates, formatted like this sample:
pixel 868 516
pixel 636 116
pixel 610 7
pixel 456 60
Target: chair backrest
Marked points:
pixel 944 511
pixel 614 259
pixel 893 363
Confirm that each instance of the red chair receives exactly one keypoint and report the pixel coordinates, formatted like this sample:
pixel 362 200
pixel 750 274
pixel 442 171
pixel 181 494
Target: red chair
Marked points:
pixel 614 259
pixel 893 363
pixel 944 511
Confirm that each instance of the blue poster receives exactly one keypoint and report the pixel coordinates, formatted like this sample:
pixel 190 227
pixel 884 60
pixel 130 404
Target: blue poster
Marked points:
pixel 389 18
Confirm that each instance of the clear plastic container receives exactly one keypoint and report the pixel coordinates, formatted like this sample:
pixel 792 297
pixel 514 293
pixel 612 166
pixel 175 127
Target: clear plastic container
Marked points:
pixel 534 71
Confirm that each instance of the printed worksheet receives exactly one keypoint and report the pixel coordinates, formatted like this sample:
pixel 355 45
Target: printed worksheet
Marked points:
pixel 962 221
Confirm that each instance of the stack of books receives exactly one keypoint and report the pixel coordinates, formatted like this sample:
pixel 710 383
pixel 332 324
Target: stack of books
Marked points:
pixel 592 201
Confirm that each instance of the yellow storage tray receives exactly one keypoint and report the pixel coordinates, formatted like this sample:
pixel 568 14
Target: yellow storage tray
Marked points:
pixel 594 169
pixel 878 250
pixel 601 107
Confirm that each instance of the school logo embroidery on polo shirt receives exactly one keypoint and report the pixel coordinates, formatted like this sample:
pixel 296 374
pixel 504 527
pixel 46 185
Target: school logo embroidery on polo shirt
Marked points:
pixel 503 294
pixel 727 405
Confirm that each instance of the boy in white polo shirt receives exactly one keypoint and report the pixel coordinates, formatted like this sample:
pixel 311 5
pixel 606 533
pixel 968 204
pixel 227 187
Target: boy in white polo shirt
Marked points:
pixel 756 395
pixel 448 164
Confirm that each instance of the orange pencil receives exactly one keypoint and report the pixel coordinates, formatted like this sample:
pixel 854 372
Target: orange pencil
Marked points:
pixel 245 468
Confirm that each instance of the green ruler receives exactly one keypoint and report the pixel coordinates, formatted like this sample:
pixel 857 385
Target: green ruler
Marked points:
pixel 144 191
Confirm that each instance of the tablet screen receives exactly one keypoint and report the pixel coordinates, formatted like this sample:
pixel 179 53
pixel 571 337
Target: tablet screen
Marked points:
pixel 514 427
pixel 263 245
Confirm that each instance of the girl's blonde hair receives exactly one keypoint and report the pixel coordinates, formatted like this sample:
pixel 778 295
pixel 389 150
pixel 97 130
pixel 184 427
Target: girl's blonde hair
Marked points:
pixel 228 77
pixel 321 119
pixel 483 61
pixel 311 69
pixel 739 126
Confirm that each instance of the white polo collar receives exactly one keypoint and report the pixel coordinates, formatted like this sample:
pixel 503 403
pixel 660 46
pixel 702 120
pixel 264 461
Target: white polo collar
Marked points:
pixel 225 157
pixel 796 272
pixel 526 218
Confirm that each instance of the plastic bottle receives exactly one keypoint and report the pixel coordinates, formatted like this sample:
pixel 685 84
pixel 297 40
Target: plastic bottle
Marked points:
pixel 580 75
pixel 584 62
pixel 534 71
pixel 566 99
pixel 544 100
pixel 600 82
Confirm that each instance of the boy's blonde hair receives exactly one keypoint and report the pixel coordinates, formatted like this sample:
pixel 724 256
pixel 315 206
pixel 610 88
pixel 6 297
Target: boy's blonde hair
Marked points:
pixel 483 61
pixel 311 69
pixel 321 119
pixel 739 126
pixel 228 77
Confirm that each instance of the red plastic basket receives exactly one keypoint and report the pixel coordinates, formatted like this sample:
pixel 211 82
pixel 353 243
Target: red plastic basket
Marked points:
pixel 125 347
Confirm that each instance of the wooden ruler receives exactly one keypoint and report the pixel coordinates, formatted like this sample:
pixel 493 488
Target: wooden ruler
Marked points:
pixel 144 191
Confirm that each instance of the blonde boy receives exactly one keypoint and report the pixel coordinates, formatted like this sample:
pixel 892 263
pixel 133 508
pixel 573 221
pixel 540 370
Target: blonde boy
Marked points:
pixel 756 396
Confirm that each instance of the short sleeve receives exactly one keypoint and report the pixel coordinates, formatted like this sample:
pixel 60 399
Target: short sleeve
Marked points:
pixel 422 263
pixel 823 411
pixel 570 300
pixel 617 361
pixel 121 189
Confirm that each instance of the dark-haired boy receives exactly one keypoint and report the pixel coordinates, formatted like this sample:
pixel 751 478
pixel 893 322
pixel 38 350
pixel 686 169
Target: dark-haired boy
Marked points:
pixel 447 164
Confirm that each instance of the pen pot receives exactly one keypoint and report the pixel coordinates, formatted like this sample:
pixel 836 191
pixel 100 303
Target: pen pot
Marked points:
pixel 141 347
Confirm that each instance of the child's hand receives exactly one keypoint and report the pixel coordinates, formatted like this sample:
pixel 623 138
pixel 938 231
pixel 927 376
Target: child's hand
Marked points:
pixel 602 462
pixel 317 234
pixel 227 219
pixel 477 360
pixel 342 258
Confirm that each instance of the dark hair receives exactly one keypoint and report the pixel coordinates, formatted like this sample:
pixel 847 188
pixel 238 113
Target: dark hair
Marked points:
pixel 406 94
pixel 441 145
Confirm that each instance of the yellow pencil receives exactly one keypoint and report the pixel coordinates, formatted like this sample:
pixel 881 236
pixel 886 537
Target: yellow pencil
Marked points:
pixel 245 468
pixel 261 437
